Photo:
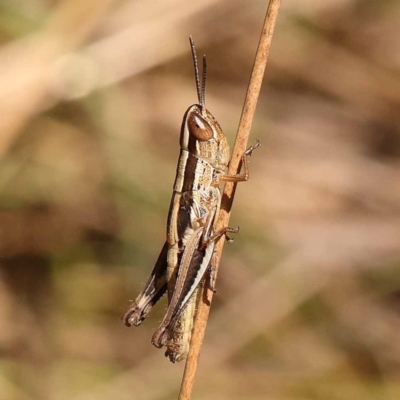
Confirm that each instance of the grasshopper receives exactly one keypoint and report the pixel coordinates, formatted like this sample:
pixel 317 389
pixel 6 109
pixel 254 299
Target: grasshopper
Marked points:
pixel 191 235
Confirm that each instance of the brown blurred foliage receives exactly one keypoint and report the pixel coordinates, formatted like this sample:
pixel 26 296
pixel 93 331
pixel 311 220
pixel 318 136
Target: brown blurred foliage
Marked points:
pixel 91 98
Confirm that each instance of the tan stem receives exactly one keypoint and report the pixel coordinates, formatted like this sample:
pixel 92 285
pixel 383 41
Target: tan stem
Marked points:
pixel 242 136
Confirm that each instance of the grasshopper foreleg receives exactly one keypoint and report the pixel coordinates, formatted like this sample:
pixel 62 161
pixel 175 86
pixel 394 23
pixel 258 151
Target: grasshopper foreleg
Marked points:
pixel 244 176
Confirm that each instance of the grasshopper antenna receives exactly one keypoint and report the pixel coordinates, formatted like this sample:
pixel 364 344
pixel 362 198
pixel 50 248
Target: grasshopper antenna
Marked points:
pixel 203 83
pixel 200 90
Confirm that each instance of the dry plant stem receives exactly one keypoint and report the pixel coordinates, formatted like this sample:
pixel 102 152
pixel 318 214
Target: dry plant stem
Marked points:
pixel 229 191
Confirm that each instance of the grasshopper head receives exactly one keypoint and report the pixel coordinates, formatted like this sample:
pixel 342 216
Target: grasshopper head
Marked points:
pixel 202 136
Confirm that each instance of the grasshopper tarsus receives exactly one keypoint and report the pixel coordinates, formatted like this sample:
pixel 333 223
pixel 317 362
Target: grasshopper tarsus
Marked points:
pixel 160 337
pixel 233 230
pixel 250 150
pixel 133 317
pixel 230 230
pixel 222 232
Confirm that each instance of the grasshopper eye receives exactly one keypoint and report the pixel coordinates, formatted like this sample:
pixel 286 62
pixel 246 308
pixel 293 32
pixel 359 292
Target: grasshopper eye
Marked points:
pixel 199 128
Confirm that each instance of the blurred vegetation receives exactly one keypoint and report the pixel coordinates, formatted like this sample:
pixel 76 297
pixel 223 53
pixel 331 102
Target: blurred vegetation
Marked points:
pixel 91 98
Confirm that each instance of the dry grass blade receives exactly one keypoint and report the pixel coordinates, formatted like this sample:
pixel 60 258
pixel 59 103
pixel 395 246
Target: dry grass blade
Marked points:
pixel 229 191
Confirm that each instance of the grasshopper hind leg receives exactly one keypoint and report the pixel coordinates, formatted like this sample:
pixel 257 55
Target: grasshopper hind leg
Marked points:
pixel 154 289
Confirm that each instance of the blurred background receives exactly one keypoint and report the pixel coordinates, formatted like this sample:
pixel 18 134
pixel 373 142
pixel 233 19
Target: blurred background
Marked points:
pixel 91 96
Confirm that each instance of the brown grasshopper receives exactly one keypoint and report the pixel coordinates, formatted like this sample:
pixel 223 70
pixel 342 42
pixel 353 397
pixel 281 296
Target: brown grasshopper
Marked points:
pixel 191 235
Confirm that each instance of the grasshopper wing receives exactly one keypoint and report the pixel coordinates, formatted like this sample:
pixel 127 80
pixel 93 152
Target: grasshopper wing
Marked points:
pixel 194 264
